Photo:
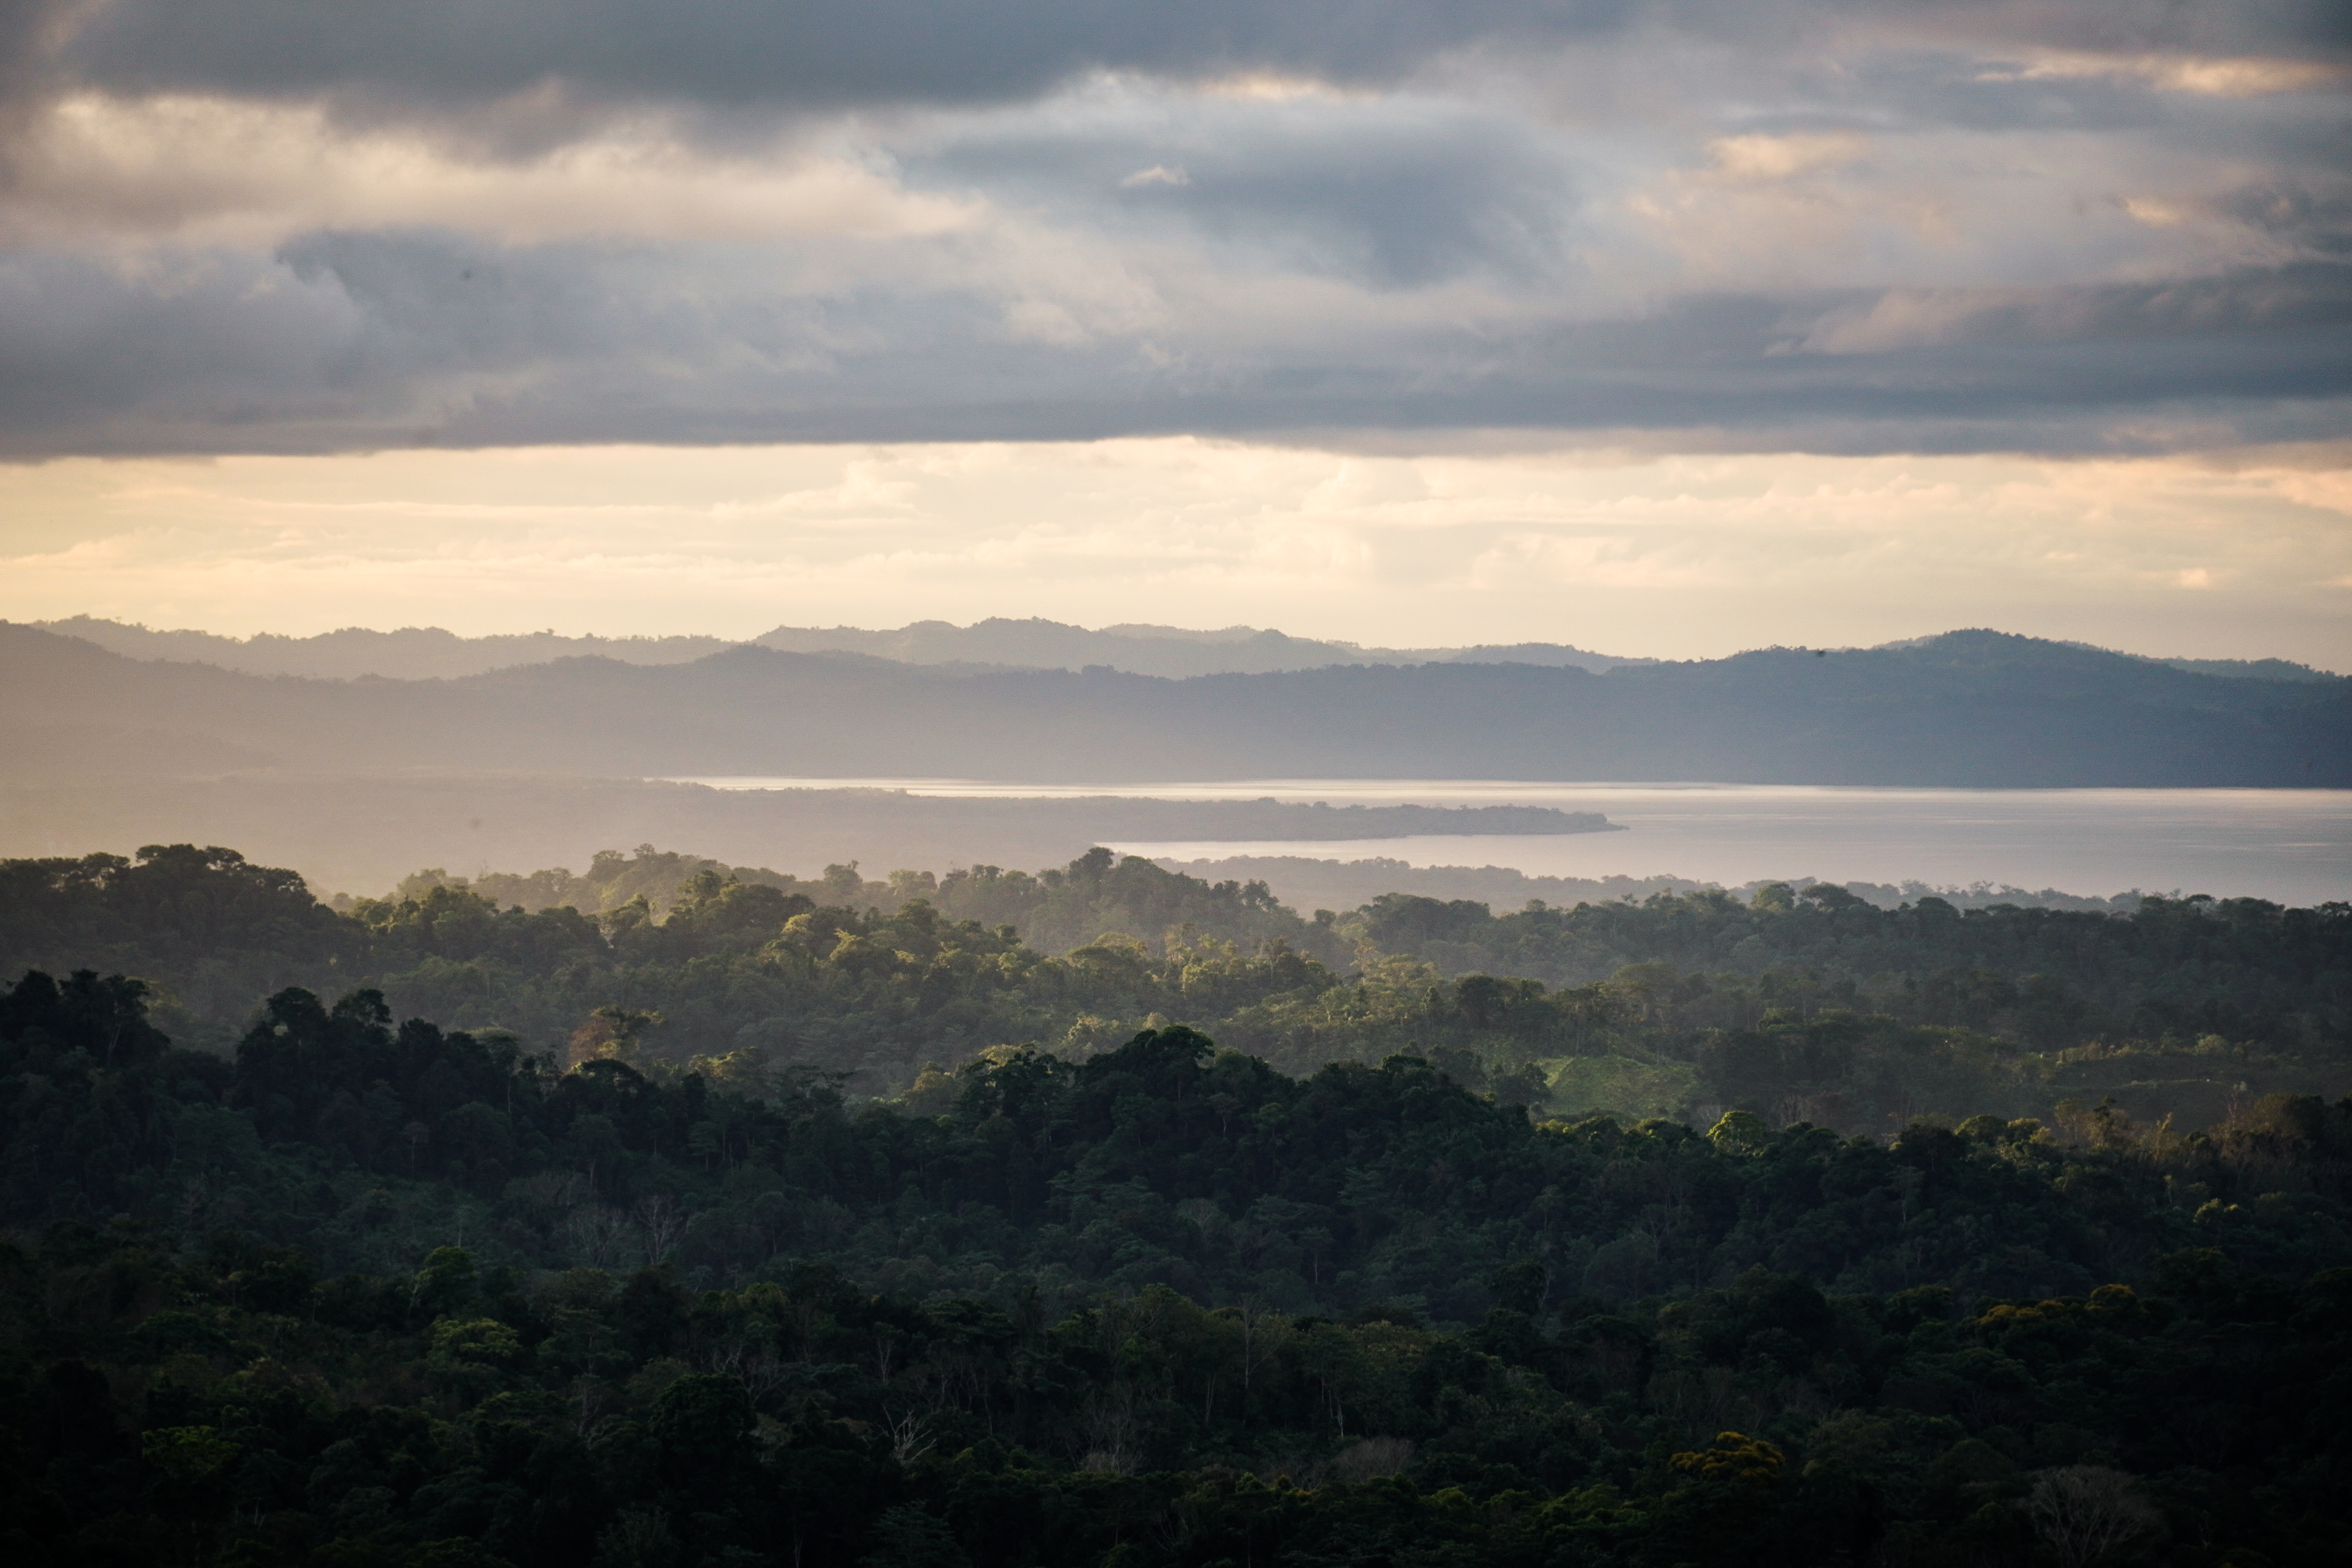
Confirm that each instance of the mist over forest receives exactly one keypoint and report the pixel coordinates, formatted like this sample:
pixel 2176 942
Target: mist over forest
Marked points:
pixel 481 1193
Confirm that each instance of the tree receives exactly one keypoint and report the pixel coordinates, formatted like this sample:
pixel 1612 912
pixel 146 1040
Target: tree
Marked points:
pixel 2085 1511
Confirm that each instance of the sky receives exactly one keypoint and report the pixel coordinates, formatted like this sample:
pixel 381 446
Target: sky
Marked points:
pixel 1660 328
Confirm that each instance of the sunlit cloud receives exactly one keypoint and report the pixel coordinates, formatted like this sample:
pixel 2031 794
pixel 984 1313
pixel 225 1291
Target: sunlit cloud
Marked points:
pixel 213 171
pixel 2240 76
pixel 1743 158
pixel 1271 87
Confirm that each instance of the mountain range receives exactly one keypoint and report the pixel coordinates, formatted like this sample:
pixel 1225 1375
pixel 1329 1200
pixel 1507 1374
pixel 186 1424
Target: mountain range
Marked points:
pixel 1972 709
pixel 358 782
pixel 996 643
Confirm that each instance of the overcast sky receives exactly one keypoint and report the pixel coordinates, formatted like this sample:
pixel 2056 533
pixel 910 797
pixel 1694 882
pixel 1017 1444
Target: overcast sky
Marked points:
pixel 1664 326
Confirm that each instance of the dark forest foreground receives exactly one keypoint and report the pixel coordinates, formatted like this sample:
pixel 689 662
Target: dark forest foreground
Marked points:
pixel 361 1291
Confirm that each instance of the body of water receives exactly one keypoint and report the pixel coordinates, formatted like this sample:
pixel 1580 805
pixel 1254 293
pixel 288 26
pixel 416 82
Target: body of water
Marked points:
pixel 2292 846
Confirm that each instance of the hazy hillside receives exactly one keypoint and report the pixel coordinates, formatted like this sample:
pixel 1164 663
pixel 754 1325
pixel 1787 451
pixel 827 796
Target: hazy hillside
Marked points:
pixel 1170 651
pixel 1978 709
pixel 418 653
pixel 411 653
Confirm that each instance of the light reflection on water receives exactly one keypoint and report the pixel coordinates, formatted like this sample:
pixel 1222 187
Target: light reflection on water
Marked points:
pixel 2295 845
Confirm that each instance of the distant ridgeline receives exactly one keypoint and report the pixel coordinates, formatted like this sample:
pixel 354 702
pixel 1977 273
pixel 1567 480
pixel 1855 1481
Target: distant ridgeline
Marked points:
pixel 417 653
pixel 359 782
pixel 423 653
pixel 370 1291
pixel 1966 708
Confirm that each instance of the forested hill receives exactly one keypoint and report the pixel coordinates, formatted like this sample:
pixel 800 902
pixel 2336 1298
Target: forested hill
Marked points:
pixel 411 653
pixel 1973 709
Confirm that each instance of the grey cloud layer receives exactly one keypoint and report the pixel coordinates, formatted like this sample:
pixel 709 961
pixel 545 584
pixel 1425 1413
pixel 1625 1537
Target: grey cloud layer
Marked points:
pixel 812 53
pixel 387 339
pixel 1385 194
pixel 1852 228
pixel 832 52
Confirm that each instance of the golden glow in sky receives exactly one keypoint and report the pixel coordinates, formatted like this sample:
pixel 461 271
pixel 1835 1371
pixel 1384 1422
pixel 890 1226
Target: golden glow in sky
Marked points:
pixel 1680 556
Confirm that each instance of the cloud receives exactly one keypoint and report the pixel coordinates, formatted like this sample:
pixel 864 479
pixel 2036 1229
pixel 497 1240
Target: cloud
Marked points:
pixel 1757 157
pixel 818 53
pixel 267 225
pixel 1388 193
pixel 366 340
pixel 2242 77
pixel 808 53
pixel 2311 298
pixel 219 171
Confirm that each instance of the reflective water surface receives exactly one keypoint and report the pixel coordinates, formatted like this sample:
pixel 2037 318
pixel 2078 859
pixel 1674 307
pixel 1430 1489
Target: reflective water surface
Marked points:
pixel 2294 846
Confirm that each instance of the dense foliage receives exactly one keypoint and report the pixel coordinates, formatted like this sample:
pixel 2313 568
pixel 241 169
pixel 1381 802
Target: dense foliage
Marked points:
pixel 216 929
pixel 1809 1005
pixel 372 1294
pixel 1055 910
